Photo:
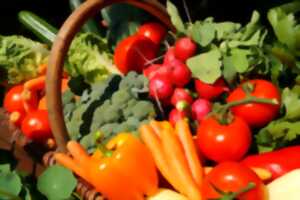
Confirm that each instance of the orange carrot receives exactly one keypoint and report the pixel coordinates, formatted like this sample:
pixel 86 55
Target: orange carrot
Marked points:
pixel 78 152
pixel 178 162
pixel 154 145
pixel 35 84
pixel 185 137
pixel 69 163
pixel 42 69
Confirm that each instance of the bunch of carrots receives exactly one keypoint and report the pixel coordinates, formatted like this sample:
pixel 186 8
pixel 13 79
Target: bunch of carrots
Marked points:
pixel 175 155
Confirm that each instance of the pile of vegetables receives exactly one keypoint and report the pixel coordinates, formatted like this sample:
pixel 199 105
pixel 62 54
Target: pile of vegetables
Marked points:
pixel 208 112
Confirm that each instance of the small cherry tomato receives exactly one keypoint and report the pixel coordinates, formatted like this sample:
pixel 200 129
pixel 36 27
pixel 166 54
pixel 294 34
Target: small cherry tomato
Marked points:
pixel 132 53
pixel 13 100
pixel 154 31
pixel 256 114
pixel 210 91
pixel 223 142
pixel 36 127
pixel 185 48
pixel 233 177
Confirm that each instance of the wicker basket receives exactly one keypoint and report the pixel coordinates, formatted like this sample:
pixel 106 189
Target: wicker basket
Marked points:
pixel 58 53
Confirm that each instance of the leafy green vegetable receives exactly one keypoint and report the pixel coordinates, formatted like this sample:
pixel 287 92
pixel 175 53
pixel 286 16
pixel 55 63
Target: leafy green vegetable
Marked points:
pixel 206 66
pixel 10 183
pixel 175 17
pixel 20 57
pixel 57 183
pixel 88 57
pixel 284 24
pixel 286 129
pixel 203 33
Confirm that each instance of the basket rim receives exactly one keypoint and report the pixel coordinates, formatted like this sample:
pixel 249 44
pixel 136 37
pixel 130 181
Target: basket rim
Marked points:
pixel 61 45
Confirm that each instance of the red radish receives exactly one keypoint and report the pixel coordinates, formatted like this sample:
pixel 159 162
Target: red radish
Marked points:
pixel 132 53
pixel 170 56
pixel 181 95
pixel 176 115
pixel 200 108
pixel 179 72
pixel 185 48
pixel 154 31
pixel 155 69
pixel 36 126
pixel 210 91
pixel 14 102
pixel 160 87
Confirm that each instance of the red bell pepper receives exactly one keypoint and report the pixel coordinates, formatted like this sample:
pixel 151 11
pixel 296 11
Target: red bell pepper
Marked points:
pixel 278 162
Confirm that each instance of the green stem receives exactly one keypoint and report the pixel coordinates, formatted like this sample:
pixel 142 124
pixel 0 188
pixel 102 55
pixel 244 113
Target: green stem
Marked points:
pixel 251 99
pixel 225 118
pixel 9 195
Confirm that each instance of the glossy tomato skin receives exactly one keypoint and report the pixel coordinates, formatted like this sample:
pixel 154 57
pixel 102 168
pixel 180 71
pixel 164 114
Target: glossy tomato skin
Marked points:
pixel 132 53
pixel 210 91
pixel 255 114
pixel 233 177
pixel 223 142
pixel 154 31
pixel 35 126
pixel 13 99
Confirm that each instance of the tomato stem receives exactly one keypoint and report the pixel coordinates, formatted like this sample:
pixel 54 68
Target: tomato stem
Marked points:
pixel 251 99
pixel 233 195
pixel 223 114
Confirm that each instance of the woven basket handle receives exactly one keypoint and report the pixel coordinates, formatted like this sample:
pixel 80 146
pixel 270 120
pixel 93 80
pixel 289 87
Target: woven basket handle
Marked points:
pixel 60 48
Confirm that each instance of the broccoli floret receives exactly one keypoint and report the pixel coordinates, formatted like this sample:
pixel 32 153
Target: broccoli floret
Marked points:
pixel 143 110
pixel 121 98
pixel 124 127
pixel 136 83
pixel 127 112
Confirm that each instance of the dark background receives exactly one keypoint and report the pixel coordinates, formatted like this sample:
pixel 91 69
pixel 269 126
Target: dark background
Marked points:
pixel 56 11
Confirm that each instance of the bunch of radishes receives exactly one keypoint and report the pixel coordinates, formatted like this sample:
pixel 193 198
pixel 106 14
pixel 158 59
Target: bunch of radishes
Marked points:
pixel 168 83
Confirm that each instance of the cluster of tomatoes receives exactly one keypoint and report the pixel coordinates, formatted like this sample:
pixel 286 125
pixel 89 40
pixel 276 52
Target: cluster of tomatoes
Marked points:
pixel 26 105
pixel 222 136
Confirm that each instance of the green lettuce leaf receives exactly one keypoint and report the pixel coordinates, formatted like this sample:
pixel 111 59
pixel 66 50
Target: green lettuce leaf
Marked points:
pixel 20 57
pixel 88 56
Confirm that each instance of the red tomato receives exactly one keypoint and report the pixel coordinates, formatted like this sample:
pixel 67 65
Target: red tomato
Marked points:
pixel 132 53
pixel 36 126
pixel 185 48
pixel 210 91
pixel 256 114
pixel 233 177
pixel 13 100
pixel 223 142
pixel 154 31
